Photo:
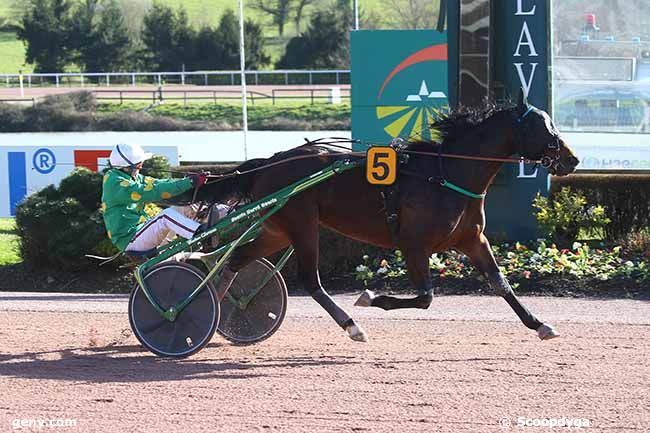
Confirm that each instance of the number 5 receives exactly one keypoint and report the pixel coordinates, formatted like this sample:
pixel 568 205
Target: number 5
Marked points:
pixel 381 165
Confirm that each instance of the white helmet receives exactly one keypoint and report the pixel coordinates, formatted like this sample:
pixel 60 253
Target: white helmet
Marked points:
pixel 128 155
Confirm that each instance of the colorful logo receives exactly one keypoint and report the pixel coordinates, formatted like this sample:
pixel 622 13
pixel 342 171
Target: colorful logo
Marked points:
pixel 419 109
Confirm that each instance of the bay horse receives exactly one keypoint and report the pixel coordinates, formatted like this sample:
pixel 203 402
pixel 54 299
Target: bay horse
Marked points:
pixel 432 218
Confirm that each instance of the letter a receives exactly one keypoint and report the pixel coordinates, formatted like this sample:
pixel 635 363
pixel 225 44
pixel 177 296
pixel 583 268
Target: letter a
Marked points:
pixel 529 41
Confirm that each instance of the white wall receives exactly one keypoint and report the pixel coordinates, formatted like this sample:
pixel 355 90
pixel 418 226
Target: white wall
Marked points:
pixel 610 151
pixel 31 161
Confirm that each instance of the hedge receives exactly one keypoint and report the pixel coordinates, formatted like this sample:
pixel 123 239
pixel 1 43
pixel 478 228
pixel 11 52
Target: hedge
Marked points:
pixel 79 112
pixel 76 112
pixel 626 198
pixel 59 225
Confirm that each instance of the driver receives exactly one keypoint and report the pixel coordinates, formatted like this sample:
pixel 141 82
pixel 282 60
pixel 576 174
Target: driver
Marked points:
pixel 125 194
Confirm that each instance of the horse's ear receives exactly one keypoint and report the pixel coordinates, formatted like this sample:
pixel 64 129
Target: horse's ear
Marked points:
pixel 523 100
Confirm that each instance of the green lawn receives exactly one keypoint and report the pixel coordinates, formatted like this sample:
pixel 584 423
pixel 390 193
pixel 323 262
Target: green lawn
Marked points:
pixel 8 242
pixel 12 54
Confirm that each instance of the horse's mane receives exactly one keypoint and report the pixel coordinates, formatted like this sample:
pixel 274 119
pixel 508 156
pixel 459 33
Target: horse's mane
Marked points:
pixel 453 124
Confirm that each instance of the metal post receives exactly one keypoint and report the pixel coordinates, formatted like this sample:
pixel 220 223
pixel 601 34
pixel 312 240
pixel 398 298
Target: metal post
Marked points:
pixel 356 14
pixel 242 63
pixel 22 88
pixel 82 80
pixel 29 80
pixel 132 80
pixel 108 80
pixel 57 80
pixel 205 79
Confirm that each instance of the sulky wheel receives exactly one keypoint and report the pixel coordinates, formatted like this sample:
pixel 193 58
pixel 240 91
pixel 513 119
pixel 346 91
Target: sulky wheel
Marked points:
pixel 263 315
pixel 169 283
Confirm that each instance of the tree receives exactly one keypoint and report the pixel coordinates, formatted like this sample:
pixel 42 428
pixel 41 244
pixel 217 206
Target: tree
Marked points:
pixel 299 10
pixel 325 43
pixel 167 38
pixel 279 10
pixel 413 14
pixel 108 45
pixel 133 13
pixel 219 48
pixel 45 31
pixel 256 55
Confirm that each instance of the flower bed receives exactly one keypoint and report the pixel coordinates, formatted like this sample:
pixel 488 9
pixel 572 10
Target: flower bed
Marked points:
pixel 525 265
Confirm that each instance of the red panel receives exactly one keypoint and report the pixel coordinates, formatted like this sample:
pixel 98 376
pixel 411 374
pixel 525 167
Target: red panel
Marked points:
pixel 88 158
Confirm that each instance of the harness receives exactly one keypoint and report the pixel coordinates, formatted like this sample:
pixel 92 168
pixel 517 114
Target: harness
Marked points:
pixel 391 194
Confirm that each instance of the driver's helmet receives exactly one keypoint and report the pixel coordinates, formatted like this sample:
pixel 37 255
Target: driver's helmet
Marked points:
pixel 128 155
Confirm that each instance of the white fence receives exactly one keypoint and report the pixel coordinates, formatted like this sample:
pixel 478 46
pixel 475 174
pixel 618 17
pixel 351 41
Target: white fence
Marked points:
pixel 201 78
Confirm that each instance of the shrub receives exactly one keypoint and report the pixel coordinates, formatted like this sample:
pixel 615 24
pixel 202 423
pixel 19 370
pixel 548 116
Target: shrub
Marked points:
pixel 565 215
pixel 626 197
pixel 58 226
pixel 76 112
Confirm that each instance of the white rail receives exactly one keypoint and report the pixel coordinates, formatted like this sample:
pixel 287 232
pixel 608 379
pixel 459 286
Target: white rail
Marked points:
pixel 204 78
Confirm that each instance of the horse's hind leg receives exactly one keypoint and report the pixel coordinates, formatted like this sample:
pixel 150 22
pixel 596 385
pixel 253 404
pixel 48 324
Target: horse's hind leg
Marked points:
pixel 304 238
pixel 417 263
pixel 480 253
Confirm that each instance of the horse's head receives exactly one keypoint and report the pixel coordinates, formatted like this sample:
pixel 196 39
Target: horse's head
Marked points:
pixel 537 138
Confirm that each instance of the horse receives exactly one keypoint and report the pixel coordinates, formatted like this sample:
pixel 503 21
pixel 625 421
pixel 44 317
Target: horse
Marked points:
pixel 433 216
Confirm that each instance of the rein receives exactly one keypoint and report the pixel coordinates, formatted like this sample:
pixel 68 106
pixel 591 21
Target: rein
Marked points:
pixel 213 178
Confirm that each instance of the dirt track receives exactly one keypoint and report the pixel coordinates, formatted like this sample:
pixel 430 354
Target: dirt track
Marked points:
pixel 462 366
pixel 302 91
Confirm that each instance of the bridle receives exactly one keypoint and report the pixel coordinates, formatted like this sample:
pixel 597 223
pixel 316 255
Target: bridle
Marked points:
pixel 550 158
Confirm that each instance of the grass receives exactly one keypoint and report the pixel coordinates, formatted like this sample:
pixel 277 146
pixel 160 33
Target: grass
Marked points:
pixel 12 54
pixel 8 242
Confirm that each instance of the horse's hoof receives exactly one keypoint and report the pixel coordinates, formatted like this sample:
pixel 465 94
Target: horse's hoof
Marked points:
pixel 356 333
pixel 365 300
pixel 546 332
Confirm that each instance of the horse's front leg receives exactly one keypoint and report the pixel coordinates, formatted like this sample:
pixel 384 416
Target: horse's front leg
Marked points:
pixel 480 252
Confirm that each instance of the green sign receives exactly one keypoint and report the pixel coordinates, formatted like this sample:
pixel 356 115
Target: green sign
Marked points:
pixel 399 83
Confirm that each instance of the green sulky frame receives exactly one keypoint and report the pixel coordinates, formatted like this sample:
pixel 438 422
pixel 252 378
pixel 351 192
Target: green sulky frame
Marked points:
pixel 216 260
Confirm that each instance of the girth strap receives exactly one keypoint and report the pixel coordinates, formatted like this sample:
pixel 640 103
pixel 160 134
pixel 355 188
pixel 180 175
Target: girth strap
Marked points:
pixel 391 197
